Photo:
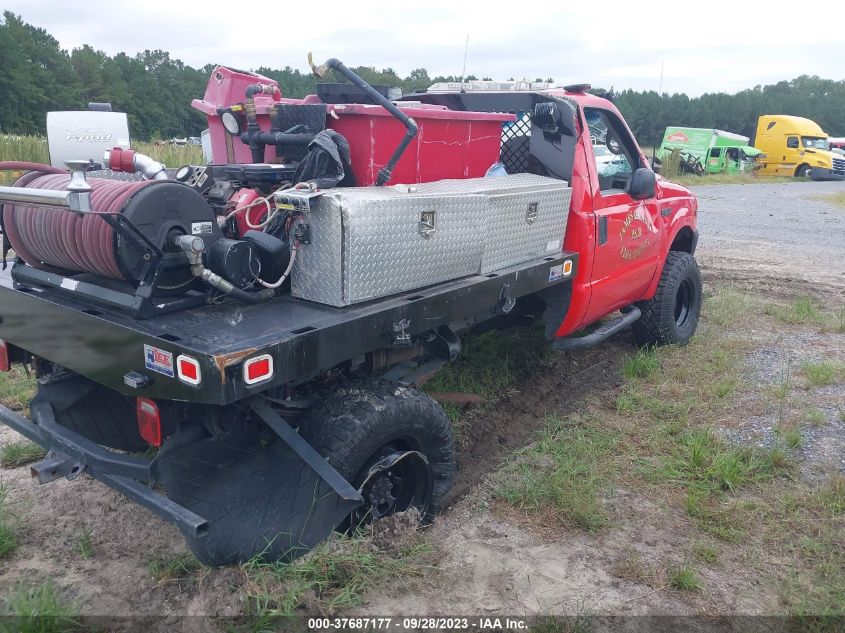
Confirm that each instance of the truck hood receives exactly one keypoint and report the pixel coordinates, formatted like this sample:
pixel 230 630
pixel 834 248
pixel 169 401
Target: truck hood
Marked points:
pixel 823 155
pixel 669 189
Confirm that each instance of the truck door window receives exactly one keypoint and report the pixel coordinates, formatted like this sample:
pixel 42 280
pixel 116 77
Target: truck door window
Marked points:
pixel 792 142
pixel 614 149
pixel 714 152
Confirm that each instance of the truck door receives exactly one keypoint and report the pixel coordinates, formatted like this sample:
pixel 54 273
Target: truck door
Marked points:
pixel 790 157
pixel 714 161
pixel 732 160
pixel 628 230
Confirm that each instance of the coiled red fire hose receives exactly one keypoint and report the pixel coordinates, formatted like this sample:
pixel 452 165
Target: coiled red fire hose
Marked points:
pixel 60 238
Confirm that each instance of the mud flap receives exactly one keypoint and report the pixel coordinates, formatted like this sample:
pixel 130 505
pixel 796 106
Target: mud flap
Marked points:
pixel 275 501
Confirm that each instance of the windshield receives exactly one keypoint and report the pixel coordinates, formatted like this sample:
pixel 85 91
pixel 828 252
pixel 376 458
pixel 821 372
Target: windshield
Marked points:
pixel 814 142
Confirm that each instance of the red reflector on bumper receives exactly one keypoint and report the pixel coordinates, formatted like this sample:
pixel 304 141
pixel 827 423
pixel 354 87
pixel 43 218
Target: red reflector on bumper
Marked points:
pixel 149 421
pixel 258 369
pixel 188 369
pixel 4 356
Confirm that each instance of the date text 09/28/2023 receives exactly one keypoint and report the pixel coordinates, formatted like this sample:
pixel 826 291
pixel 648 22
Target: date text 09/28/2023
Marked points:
pixel 418 623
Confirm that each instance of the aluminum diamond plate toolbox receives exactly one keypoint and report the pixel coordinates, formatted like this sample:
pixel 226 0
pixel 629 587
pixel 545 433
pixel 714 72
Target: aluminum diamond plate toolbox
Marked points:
pixel 524 218
pixel 372 242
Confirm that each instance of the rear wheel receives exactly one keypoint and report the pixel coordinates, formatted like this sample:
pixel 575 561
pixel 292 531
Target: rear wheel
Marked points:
pixel 392 443
pixel 804 171
pixel 671 316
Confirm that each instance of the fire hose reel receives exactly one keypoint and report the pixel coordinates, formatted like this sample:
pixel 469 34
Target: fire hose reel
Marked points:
pixel 64 240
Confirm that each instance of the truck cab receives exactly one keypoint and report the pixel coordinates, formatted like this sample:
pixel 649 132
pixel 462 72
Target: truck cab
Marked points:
pixel 628 221
pixel 796 146
pixel 623 219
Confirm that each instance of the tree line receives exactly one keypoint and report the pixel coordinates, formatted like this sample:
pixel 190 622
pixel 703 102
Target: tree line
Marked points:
pixel 155 90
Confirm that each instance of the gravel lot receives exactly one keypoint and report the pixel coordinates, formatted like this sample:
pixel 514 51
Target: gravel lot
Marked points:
pixel 773 230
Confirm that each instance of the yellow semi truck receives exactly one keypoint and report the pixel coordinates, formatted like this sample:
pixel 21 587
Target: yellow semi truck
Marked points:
pixel 795 146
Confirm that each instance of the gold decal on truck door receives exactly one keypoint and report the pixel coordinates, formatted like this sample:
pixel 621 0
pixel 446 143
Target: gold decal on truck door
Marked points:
pixel 631 235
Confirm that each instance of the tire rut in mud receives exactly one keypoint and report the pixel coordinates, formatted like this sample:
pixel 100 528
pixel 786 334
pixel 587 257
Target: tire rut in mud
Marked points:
pixel 490 434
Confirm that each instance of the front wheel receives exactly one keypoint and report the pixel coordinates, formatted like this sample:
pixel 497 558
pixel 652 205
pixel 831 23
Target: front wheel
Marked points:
pixel 804 171
pixel 671 316
pixel 392 443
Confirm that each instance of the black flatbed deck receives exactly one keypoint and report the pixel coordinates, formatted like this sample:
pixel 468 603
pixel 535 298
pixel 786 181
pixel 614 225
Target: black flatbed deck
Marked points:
pixel 304 338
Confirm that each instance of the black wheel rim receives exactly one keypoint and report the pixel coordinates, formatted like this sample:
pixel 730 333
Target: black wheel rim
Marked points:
pixel 404 485
pixel 684 301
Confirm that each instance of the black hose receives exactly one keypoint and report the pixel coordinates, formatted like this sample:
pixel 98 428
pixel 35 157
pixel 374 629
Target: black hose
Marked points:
pixel 283 138
pixel 251 297
pixel 386 171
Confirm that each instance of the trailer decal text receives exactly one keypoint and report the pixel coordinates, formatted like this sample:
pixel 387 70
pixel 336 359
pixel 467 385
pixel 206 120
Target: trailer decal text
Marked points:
pixel 158 360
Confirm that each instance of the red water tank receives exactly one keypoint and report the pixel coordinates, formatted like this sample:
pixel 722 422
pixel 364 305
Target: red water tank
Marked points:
pixel 449 143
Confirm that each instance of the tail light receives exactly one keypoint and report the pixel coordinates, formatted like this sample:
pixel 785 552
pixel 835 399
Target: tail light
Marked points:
pixel 4 356
pixel 149 421
pixel 258 369
pixel 188 370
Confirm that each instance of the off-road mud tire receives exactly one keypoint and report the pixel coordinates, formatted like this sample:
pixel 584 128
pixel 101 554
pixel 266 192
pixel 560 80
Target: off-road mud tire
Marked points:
pixel 659 323
pixel 360 418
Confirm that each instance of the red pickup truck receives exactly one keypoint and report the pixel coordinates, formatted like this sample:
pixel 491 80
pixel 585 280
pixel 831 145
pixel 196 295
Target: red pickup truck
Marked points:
pixel 279 416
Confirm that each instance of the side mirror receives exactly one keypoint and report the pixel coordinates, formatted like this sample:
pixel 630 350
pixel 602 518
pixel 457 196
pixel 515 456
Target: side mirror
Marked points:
pixel 643 184
pixel 546 117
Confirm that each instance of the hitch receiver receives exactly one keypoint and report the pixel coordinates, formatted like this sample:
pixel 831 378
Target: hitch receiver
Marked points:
pixel 56 465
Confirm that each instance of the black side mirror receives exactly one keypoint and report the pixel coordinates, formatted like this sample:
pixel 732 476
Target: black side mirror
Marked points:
pixel 643 184
pixel 546 117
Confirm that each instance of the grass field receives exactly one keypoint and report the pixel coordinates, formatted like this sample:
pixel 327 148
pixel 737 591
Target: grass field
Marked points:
pixel 661 437
pixel 833 198
pixel 730 179
pixel 34 149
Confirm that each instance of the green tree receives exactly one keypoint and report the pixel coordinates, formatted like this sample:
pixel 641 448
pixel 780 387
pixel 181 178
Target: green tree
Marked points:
pixel 36 76
pixel 155 90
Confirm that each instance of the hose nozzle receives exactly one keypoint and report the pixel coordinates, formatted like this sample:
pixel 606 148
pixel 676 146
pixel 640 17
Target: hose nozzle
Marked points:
pixel 320 71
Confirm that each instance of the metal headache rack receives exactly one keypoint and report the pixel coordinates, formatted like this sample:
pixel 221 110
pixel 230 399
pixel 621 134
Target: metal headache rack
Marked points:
pixel 516 144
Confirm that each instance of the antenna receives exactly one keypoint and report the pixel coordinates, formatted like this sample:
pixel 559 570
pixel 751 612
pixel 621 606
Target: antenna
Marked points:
pixel 659 94
pixel 464 69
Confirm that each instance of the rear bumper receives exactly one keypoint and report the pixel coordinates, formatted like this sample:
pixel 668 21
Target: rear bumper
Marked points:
pixel 823 173
pixel 127 474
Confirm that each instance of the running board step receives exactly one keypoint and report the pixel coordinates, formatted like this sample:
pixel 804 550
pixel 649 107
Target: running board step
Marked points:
pixel 569 343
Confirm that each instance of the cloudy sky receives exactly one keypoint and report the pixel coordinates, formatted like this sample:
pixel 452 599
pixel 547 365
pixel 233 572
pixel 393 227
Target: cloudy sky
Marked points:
pixel 703 46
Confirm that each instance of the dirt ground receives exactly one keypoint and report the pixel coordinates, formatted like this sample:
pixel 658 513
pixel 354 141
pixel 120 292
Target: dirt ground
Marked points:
pixel 100 549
